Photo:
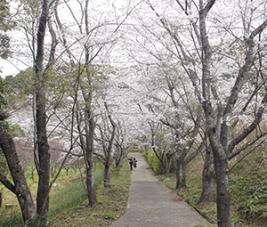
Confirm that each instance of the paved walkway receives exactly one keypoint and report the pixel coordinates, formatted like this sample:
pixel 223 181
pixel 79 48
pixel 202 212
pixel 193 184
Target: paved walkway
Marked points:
pixel 152 205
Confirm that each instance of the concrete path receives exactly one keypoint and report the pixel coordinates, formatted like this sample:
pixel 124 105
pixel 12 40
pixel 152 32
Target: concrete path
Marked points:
pixel 152 205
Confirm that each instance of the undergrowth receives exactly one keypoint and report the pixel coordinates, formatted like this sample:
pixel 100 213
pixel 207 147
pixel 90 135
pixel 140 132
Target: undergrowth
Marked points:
pixel 111 204
pixel 66 193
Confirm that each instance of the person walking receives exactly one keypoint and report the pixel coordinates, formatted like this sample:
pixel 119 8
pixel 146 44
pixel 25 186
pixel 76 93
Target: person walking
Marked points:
pixel 131 163
pixel 134 162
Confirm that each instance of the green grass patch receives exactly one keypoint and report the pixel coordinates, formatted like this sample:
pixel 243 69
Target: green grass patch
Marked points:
pixel 110 206
pixel 248 188
pixel 68 191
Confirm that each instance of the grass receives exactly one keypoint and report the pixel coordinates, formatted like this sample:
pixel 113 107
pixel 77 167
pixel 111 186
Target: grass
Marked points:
pixel 68 192
pixel 11 217
pixel 74 194
pixel 110 206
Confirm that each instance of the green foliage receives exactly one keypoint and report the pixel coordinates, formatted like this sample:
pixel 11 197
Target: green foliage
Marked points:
pixel 22 83
pixel 12 221
pixel 109 215
pixel 15 89
pixel 58 86
pixel 250 194
pixel 153 161
pixel 15 130
pixel 4 15
pixel 3 164
pixel 3 93
pixel 5 25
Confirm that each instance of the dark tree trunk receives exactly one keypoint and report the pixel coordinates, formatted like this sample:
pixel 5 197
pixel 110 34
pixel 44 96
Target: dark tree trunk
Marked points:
pixel 180 174
pixel 91 194
pixel 223 195
pixel 118 162
pixel 106 175
pixel 1 199
pixel 42 200
pixel 119 159
pixel 87 146
pixel 208 179
pixel 163 168
pixel 89 119
pixel 20 187
pixel 108 148
pixel 32 173
pixel 222 181
pixel 169 163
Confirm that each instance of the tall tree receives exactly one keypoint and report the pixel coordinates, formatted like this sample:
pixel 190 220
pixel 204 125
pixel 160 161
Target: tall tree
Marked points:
pixel 40 78
pixel 220 103
pixel 19 187
pixel 218 133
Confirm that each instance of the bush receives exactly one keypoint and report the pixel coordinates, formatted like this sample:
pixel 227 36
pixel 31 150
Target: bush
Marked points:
pixel 153 161
pixel 250 194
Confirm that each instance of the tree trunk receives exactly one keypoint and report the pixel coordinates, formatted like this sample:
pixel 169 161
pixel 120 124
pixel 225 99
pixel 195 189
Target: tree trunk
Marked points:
pixel 90 183
pixel 163 167
pixel 106 176
pixel 1 199
pixel 222 181
pixel 91 194
pixel 118 160
pixel 42 200
pixel 32 173
pixel 43 168
pixel 20 187
pixel 180 174
pixel 208 179
pixel 223 195
pixel 169 163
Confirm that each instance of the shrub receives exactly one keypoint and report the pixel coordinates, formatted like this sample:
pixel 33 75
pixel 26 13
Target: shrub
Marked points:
pixel 250 193
pixel 153 161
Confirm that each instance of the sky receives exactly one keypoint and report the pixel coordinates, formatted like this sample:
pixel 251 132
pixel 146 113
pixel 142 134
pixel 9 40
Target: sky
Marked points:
pixel 9 68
